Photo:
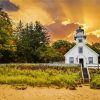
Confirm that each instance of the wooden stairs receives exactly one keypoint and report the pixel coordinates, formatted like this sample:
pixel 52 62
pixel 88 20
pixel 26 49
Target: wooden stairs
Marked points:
pixel 85 75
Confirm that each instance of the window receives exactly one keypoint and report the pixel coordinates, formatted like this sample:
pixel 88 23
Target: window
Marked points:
pixel 80 49
pixel 80 40
pixel 71 60
pixel 90 59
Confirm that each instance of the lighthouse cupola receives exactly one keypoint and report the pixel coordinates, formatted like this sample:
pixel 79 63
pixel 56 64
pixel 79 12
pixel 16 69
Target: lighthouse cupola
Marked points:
pixel 80 36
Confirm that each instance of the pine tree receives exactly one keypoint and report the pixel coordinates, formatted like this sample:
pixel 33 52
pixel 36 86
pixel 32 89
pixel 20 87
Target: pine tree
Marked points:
pixel 31 37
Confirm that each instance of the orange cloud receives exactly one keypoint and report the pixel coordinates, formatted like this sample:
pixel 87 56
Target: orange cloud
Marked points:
pixel 58 15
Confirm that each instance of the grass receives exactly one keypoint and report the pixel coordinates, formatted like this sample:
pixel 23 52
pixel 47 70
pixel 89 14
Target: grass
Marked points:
pixel 40 76
pixel 21 75
pixel 95 78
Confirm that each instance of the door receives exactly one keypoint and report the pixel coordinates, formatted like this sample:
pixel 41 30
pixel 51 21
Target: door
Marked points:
pixel 81 61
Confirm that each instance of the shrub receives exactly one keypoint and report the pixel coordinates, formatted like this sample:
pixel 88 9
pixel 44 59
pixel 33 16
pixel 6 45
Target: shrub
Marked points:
pixel 95 83
pixel 41 76
pixel 95 78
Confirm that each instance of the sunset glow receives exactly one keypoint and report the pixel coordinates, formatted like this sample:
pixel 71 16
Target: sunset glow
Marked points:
pixel 61 14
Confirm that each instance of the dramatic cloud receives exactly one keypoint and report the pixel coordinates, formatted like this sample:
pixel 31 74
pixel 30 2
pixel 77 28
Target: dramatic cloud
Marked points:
pixel 61 17
pixel 60 31
pixel 92 38
pixel 7 5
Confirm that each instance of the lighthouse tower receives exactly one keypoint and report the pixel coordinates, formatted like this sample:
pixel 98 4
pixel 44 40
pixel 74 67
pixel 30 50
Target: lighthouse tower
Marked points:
pixel 80 36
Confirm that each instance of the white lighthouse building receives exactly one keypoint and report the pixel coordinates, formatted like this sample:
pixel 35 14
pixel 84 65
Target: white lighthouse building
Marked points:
pixel 81 53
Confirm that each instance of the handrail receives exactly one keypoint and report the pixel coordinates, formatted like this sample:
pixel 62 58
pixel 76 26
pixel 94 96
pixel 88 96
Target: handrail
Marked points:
pixel 88 73
pixel 82 72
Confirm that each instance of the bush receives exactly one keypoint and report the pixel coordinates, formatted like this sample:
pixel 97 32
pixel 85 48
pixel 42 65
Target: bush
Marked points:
pixel 95 83
pixel 95 78
pixel 39 77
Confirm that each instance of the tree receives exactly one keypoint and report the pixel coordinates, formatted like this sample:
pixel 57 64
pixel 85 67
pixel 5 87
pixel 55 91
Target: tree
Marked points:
pixel 6 38
pixel 96 47
pixel 62 46
pixel 29 39
pixel 49 54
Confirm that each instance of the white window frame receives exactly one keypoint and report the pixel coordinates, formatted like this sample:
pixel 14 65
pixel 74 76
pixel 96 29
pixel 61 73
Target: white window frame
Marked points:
pixel 71 60
pixel 80 50
pixel 90 60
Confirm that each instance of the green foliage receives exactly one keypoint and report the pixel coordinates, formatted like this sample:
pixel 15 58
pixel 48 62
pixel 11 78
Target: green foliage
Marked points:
pixel 30 38
pixel 95 83
pixel 7 47
pixel 48 77
pixel 30 43
pixel 96 47
pixel 5 30
pixel 62 46
pixel 95 78
pixel 49 55
pixel 5 22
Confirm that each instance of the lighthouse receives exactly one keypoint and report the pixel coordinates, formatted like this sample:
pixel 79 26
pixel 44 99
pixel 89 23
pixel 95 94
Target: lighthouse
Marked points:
pixel 81 53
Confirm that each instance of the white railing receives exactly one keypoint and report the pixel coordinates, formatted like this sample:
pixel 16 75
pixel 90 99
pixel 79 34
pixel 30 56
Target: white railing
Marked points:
pixel 82 72
pixel 88 74
pixel 95 66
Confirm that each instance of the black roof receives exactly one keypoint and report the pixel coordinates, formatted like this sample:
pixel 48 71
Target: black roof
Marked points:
pixel 79 30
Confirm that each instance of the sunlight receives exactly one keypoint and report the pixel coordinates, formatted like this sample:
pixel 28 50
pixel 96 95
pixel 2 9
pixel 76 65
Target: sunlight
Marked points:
pixel 80 12
pixel 65 22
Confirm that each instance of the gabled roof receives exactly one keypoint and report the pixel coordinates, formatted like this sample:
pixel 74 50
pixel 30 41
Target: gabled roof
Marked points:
pixel 84 45
pixel 92 50
pixel 70 50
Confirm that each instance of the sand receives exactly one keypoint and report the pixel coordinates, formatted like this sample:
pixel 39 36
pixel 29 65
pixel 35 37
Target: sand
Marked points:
pixel 43 93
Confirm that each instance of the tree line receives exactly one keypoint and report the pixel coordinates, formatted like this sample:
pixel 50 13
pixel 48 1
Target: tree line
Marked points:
pixel 30 43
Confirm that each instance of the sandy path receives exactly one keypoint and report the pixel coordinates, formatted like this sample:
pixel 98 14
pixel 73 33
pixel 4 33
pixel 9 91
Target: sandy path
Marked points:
pixel 84 93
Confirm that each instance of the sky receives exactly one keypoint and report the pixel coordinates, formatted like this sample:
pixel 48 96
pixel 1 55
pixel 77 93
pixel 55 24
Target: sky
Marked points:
pixel 60 17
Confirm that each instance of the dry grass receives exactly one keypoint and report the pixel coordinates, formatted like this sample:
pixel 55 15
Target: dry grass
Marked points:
pixel 43 93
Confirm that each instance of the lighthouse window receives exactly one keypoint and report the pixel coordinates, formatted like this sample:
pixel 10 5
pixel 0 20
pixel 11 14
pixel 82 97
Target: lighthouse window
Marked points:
pixel 80 49
pixel 71 60
pixel 90 59
pixel 80 40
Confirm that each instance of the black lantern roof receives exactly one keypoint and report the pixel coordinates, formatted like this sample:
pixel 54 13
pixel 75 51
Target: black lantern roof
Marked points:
pixel 79 30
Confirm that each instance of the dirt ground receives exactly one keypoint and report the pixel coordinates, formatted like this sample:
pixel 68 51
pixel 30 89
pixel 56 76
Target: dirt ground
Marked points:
pixel 43 93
